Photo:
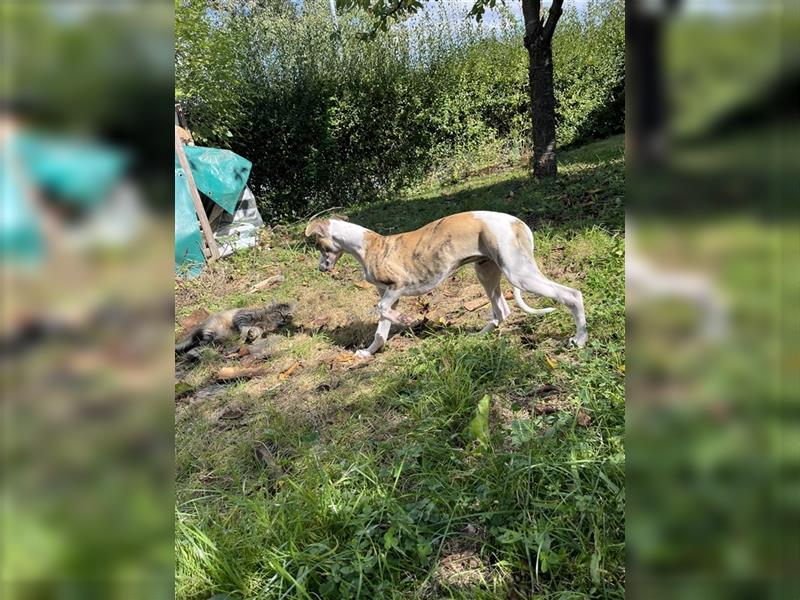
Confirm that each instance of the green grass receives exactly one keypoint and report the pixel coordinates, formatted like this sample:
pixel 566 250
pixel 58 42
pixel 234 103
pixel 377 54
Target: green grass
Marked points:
pixel 340 483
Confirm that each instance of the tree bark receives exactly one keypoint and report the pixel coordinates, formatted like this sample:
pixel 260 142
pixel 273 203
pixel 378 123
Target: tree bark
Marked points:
pixel 538 41
pixel 645 99
pixel 543 106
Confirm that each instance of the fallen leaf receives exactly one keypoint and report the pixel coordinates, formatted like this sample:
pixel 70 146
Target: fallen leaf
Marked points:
pixel 265 454
pixel 269 281
pixel 583 419
pixel 231 414
pixel 320 322
pixel 551 406
pixel 284 375
pixel 230 417
pixel 183 389
pixel 258 350
pixel 550 362
pixel 328 386
pixel 476 304
pixel 364 285
pixel 230 373
pixel 362 362
pixel 546 390
pixel 240 353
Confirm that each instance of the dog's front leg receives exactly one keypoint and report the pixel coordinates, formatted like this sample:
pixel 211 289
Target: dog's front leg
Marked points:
pixel 381 335
pixel 386 308
pixel 388 315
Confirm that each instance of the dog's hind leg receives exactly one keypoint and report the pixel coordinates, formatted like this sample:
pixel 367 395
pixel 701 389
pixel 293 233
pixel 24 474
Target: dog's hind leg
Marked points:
pixel 489 275
pixel 529 278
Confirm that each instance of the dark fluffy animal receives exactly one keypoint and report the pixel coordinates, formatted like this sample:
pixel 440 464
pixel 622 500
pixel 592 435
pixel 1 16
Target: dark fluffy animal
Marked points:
pixel 247 322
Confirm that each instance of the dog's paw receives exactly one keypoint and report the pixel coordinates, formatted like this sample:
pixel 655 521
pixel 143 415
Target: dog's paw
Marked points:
pixel 363 354
pixel 578 341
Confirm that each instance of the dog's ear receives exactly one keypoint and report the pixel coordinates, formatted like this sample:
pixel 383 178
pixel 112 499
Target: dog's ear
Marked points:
pixel 317 228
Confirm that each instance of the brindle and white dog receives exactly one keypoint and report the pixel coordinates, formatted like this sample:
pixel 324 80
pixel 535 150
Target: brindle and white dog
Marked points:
pixel 413 263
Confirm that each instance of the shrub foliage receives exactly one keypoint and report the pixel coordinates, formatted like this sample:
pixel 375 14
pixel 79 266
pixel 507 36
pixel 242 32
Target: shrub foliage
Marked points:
pixel 329 118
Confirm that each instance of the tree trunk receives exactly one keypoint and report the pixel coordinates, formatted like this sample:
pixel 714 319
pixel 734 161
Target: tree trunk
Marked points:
pixel 645 99
pixel 543 107
pixel 539 42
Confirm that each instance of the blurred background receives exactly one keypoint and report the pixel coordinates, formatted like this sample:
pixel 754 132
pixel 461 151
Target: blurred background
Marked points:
pixel 86 117
pixel 711 277
pixel 87 105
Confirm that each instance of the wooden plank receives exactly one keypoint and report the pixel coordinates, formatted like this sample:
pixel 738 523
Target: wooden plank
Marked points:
pixel 205 227
pixel 216 213
pixel 476 304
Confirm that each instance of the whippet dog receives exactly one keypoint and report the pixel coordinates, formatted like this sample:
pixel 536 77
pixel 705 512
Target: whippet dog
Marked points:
pixel 413 263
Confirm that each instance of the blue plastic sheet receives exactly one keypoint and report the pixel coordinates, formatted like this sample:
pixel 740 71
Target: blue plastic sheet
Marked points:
pixel 74 171
pixel 189 257
pixel 219 174
pixel 70 171
pixel 20 233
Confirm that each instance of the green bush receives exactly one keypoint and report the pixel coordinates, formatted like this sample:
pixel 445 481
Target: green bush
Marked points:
pixel 331 119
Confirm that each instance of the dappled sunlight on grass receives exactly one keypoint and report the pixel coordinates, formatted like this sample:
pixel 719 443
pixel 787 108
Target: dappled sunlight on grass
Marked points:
pixel 337 478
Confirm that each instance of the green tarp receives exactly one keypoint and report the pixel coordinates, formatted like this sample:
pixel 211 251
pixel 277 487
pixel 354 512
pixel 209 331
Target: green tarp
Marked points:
pixel 20 234
pixel 219 174
pixel 71 171
pixel 74 171
pixel 189 256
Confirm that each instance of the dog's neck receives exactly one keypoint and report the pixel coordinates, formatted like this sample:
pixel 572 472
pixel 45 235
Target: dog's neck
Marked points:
pixel 351 238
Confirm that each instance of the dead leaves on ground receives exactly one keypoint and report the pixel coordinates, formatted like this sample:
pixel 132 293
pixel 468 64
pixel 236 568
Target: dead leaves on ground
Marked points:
pixel 349 361
pixel 266 283
pixel 476 304
pixel 237 372
pixel 286 373
pixel 550 402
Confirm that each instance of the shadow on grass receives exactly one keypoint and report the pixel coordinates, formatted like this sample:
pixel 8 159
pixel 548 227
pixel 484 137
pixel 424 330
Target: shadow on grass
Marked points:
pixel 588 193
pixel 358 333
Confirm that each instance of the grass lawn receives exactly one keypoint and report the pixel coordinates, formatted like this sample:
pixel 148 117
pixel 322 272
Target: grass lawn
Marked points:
pixel 323 477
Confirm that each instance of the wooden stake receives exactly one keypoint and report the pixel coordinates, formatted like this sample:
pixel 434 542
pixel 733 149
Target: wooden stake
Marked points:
pixel 205 227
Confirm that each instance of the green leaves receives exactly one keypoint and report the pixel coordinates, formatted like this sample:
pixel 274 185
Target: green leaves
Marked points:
pixel 479 426
pixel 336 116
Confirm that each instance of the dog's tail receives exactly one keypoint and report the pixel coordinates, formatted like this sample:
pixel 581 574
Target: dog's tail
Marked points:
pixel 528 309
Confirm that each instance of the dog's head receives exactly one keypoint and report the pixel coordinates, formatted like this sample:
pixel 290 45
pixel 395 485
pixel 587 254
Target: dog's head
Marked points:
pixel 330 252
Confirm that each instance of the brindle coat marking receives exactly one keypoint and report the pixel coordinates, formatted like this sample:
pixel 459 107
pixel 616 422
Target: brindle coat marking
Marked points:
pixel 413 263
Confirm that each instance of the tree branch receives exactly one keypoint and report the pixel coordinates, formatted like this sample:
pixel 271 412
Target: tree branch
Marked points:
pixel 530 14
pixel 552 19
